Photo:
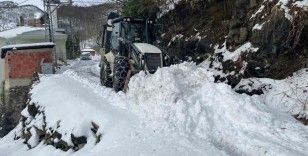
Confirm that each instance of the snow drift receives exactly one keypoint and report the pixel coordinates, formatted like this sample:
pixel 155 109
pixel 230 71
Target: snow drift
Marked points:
pixel 180 104
pixel 185 99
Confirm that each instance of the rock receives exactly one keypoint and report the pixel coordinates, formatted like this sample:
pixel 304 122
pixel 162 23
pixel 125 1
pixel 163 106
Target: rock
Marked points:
pixel 204 46
pixel 62 145
pixel 250 93
pixel 254 69
pixel 98 138
pixel 33 110
pixel 94 128
pixel 40 133
pixel 78 142
pixel 243 35
pixel 272 37
pixel 228 66
pixel 56 135
pixel 233 80
pixel 253 3
pixel 235 23
pixel 234 32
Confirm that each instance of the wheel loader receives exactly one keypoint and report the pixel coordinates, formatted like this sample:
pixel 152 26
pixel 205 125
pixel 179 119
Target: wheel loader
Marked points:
pixel 127 48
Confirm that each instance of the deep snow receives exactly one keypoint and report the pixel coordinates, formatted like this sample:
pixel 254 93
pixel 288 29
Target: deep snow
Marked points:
pixel 179 110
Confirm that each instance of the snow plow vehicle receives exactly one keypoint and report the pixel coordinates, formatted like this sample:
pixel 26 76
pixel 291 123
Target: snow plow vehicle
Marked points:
pixel 127 48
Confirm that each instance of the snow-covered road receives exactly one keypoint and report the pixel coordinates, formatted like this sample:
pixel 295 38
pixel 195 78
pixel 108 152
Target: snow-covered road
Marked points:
pixel 176 111
pixel 76 103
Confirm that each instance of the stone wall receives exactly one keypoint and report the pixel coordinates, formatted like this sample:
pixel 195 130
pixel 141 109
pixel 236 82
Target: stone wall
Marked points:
pixel 1 74
pixel 14 101
pixel 193 31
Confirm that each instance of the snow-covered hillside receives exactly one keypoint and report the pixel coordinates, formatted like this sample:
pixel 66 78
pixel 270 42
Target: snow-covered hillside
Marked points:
pixel 10 14
pixel 179 110
pixel 40 3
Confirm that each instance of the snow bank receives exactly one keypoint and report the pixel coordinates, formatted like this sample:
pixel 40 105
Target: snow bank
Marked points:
pixel 185 112
pixel 288 95
pixel 185 99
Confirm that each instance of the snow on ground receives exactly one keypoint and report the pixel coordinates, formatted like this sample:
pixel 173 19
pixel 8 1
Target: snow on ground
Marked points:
pixel 234 56
pixel 258 26
pixel 17 31
pixel 285 5
pixel 288 95
pixel 179 110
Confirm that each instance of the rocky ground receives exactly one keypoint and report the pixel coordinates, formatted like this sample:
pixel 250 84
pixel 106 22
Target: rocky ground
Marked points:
pixel 198 30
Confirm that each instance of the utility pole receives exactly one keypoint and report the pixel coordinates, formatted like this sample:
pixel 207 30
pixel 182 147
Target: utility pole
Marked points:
pixel 71 32
pixel 50 24
pixel 50 7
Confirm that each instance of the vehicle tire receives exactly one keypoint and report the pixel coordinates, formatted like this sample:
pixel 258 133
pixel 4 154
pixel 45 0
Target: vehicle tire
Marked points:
pixel 121 67
pixel 105 72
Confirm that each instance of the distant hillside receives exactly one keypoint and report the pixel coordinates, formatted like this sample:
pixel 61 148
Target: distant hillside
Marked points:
pixel 86 21
pixel 10 14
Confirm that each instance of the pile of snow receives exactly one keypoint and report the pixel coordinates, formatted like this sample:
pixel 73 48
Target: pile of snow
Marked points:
pixel 19 30
pixel 179 110
pixel 288 95
pixel 185 99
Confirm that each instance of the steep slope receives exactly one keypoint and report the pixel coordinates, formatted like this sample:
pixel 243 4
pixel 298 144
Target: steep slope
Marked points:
pixel 278 28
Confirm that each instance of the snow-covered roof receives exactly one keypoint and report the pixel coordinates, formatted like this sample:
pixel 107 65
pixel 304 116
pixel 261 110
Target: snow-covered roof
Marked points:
pixel 147 48
pixel 88 2
pixel 38 3
pixel 85 53
pixel 6 48
pixel 17 31
pixel 87 50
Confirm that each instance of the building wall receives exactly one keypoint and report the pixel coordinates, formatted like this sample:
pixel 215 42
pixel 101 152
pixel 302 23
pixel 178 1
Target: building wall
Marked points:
pixel 60 48
pixel 1 75
pixel 23 63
